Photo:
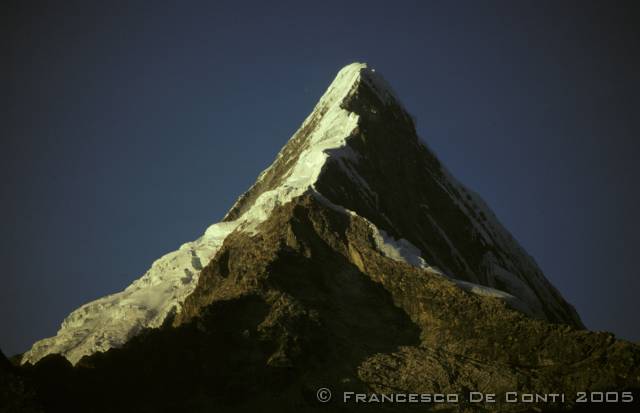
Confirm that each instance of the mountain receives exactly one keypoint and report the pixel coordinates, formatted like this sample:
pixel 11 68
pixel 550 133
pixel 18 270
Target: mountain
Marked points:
pixel 358 149
pixel 355 262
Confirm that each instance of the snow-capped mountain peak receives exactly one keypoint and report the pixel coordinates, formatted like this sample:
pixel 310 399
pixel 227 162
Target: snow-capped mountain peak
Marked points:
pixel 358 152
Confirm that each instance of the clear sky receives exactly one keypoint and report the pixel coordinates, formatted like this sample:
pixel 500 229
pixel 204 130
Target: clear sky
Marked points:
pixel 127 129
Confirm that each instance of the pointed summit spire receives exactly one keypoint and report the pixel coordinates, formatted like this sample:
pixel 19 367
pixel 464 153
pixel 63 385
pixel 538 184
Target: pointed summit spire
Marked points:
pixel 357 151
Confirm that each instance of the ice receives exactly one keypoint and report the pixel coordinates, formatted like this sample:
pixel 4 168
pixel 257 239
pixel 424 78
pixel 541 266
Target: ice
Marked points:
pixel 402 250
pixel 398 250
pixel 485 291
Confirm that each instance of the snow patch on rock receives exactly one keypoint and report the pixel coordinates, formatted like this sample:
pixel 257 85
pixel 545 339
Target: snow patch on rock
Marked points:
pixel 401 250
pixel 398 250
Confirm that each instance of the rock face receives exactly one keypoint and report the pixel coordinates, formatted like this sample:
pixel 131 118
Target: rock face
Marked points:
pixel 382 172
pixel 355 262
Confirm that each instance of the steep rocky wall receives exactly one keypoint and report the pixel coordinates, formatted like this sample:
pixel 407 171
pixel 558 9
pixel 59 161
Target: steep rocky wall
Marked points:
pixel 389 326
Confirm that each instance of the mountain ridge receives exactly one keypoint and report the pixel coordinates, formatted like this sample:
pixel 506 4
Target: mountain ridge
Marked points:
pixel 329 156
pixel 356 262
pixel 311 301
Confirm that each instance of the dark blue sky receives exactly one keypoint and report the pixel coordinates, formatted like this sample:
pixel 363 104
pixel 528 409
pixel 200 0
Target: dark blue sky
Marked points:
pixel 128 129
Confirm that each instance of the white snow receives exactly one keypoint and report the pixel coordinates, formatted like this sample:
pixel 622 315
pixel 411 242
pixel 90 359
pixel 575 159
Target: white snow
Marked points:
pixel 404 251
pixel 398 250
pixel 110 321
pixel 485 291
pixel 329 136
